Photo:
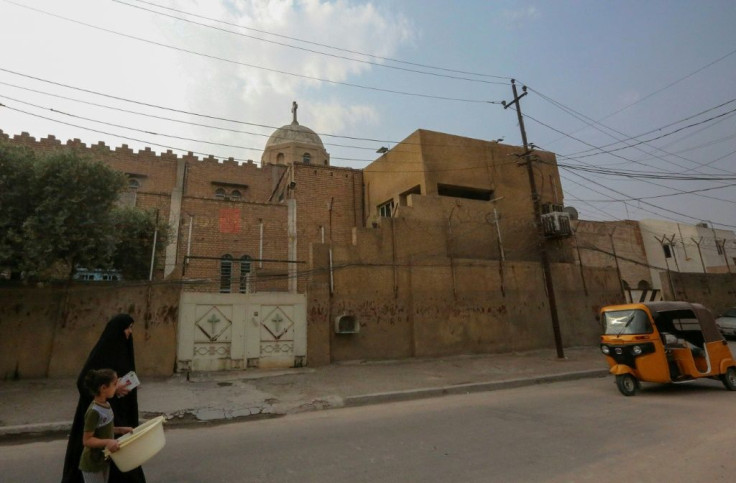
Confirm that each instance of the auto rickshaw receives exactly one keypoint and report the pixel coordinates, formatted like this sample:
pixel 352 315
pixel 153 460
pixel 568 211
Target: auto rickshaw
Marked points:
pixel 665 342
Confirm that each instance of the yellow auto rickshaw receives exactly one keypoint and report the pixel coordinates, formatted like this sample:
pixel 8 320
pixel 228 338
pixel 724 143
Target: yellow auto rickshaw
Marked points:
pixel 666 342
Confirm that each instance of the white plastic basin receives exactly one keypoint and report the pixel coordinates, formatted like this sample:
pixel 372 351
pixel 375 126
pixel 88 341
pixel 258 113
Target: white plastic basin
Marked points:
pixel 140 445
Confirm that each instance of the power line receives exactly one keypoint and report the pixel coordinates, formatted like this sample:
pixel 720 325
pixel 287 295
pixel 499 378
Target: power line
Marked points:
pixel 253 66
pixel 609 188
pixel 190 113
pixel 609 151
pixel 57 111
pixel 665 195
pixel 592 123
pixel 629 161
pixel 153 116
pixel 603 151
pixel 637 136
pixel 415 71
pixel 646 175
pixel 723 57
pixel 373 56
pixel 618 156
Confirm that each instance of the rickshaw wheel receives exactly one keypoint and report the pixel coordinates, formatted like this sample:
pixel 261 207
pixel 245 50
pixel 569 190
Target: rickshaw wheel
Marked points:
pixel 627 384
pixel 729 379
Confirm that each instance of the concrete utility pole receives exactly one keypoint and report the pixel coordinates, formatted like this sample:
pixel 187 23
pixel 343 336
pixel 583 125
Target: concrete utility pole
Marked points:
pixel 541 242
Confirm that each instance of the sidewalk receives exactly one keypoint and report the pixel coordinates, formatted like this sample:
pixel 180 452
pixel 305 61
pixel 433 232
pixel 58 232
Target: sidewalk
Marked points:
pixel 46 406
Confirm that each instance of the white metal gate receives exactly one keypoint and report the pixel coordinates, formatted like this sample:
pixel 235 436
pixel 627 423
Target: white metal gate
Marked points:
pixel 234 331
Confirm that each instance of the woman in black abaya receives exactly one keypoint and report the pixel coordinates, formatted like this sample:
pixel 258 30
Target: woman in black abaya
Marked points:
pixel 114 350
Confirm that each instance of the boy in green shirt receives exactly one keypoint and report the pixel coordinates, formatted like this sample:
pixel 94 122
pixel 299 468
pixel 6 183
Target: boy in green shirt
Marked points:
pixel 99 429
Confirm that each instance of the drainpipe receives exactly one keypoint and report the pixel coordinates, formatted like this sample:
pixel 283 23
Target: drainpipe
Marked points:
pixel 498 230
pixel 332 278
pixel 260 244
pixel 580 262
pixel 332 201
pixel 153 250
pixel 292 245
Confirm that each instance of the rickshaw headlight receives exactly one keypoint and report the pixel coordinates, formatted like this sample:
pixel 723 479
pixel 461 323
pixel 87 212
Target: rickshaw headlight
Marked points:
pixel 605 349
pixel 636 350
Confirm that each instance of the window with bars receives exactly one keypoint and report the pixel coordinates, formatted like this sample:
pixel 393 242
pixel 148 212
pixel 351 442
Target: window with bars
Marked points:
pixel 386 209
pixel 226 272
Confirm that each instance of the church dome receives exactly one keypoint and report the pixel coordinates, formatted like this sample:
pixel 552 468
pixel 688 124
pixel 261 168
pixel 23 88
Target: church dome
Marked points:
pixel 295 144
pixel 294 133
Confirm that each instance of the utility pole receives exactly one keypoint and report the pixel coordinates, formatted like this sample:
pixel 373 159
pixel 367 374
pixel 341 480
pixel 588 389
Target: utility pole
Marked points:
pixel 538 221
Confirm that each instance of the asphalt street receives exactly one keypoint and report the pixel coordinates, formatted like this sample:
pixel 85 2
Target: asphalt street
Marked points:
pixel 579 430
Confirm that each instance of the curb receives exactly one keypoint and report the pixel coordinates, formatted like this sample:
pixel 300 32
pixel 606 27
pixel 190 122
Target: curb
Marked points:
pixel 41 429
pixel 38 429
pixel 395 396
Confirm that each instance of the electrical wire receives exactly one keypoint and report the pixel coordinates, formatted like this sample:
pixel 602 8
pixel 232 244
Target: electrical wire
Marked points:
pixel 609 151
pixel 665 195
pixel 645 202
pixel 651 94
pixel 377 64
pixel 253 66
pixel 57 111
pixel 373 56
pixel 196 114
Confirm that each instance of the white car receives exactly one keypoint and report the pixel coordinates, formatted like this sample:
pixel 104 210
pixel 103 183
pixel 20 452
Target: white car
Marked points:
pixel 727 322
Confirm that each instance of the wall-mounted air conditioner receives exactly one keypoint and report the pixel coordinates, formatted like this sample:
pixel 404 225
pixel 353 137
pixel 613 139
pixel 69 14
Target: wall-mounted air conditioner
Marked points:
pixel 556 224
pixel 346 324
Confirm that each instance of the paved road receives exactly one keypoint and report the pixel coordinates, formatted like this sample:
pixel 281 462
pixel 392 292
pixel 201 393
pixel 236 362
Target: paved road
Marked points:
pixel 570 431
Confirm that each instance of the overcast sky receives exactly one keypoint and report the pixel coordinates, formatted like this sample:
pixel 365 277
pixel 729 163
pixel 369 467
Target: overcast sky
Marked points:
pixel 604 80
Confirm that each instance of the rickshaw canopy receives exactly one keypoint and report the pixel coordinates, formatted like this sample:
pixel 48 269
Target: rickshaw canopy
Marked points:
pixel 684 318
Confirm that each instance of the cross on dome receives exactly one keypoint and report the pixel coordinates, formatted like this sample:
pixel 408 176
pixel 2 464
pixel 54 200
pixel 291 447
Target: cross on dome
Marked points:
pixel 294 107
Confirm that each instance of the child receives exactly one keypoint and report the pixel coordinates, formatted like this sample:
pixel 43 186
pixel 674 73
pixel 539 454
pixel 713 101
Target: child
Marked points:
pixel 98 426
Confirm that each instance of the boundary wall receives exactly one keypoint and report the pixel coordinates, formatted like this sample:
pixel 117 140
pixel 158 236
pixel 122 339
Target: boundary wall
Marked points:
pixel 717 291
pixel 49 331
pixel 442 306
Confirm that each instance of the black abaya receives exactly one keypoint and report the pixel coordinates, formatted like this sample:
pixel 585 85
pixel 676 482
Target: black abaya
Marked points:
pixel 112 351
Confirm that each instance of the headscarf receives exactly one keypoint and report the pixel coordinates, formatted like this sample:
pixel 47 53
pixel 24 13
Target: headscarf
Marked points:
pixel 112 350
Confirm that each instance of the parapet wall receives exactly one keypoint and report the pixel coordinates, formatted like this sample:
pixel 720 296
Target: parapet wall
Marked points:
pixel 51 143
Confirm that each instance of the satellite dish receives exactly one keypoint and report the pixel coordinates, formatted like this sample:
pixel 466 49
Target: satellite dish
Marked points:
pixel 571 211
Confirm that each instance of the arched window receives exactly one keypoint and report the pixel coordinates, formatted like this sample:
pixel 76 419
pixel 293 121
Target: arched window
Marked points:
pixel 306 158
pixel 643 285
pixel 280 158
pixel 220 193
pixel 226 272
pixel 245 262
pixel 134 184
pixel 235 195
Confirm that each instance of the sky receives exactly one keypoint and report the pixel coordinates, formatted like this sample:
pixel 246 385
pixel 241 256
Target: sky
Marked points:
pixel 637 99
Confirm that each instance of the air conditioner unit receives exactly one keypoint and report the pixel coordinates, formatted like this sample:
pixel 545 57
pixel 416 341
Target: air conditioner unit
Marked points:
pixel 346 324
pixel 556 224
pixel 551 208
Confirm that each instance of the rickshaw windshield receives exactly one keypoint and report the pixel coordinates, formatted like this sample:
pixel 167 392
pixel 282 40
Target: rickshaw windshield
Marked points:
pixel 620 322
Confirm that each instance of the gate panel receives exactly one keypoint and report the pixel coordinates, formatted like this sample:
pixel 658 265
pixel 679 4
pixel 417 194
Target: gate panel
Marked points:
pixel 277 335
pixel 212 337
